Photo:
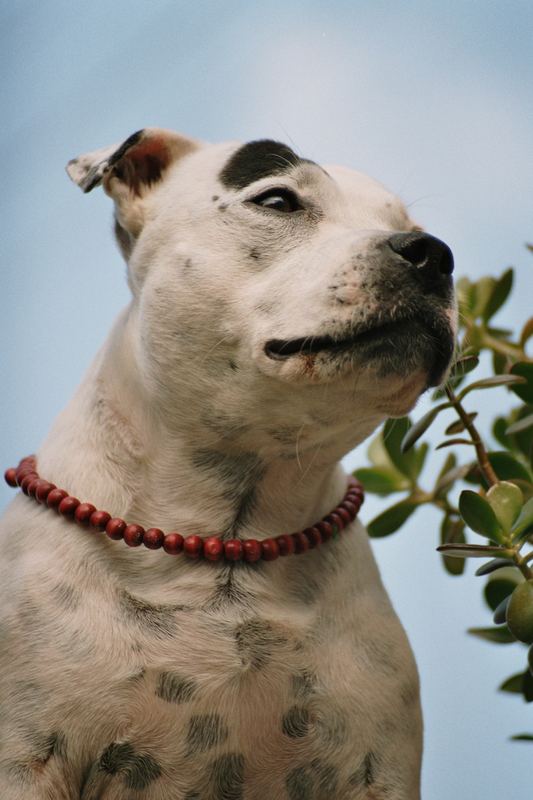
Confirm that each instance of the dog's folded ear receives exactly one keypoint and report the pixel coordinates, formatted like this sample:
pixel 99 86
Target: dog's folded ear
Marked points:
pixel 128 172
pixel 134 165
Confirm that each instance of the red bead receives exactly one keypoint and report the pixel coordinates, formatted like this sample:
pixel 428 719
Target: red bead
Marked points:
pixel 99 520
pixel 301 542
pixel 115 528
pixel 213 548
pixel 353 483
pixel 192 546
pixel 269 550
pixel 325 529
pixel 28 478
pixel 43 490
pixel 33 485
pixel 10 476
pixel 173 543
pixel 133 535
pixel 314 537
pixel 285 544
pixel 344 514
pixel 23 472
pixel 335 520
pixel 153 538
pixel 55 497
pixel 251 550
pixel 83 513
pixel 233 549
pixel 350 507
pixel 68 506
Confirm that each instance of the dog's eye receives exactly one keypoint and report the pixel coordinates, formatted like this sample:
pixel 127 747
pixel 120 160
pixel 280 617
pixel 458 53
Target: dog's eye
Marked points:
pixel 278 200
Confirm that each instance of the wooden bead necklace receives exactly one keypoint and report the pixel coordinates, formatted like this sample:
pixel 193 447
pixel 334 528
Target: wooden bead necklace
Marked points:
pixel 213 548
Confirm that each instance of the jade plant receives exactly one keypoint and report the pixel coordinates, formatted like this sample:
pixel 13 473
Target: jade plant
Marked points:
pixel 483 490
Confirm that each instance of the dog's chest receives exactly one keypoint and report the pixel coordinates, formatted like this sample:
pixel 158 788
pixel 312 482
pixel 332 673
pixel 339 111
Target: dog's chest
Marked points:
pixel 240 702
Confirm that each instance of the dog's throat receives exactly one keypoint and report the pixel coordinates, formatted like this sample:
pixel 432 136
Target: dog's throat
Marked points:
pixel 213 548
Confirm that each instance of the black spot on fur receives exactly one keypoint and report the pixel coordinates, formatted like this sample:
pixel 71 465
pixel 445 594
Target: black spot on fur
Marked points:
pixel 137 770
pixel 256 160
pixel 255 641
pixel 327 778
pixel 364 775
pixel 295 722
pixel 175 688
pixel 205 731
pixel 233 365
pixel 153 618
pixel 302 684
pixel 299 784
pixel 215 198
pixel 227 777
pixel 254 253
pixel 66 596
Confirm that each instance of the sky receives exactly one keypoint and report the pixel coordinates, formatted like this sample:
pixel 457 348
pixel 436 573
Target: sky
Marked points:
pixel 433 99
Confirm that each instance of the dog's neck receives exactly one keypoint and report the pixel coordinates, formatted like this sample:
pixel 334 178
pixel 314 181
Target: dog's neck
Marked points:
pixel 111 448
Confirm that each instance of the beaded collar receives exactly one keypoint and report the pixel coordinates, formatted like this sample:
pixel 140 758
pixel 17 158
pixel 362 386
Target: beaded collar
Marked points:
pixel 213 548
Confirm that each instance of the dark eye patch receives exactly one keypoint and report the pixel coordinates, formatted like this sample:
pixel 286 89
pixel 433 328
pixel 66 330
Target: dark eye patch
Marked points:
pixel 257 160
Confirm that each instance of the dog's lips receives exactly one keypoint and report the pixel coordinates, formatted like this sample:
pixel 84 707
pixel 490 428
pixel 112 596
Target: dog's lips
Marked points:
pixel 309 345
pixel 422 341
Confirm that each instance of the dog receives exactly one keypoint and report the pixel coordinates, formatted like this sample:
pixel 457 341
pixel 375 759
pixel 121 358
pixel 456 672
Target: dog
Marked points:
pixel 280 312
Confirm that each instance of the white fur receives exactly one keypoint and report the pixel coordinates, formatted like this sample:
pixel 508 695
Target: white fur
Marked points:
pixel 80 662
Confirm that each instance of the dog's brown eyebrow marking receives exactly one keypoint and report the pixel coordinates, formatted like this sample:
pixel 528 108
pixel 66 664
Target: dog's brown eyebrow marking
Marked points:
pixel 256 160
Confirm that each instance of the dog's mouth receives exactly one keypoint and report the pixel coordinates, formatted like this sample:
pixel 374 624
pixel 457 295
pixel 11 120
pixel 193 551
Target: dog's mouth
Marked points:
pixel 283 348
pixel 397 344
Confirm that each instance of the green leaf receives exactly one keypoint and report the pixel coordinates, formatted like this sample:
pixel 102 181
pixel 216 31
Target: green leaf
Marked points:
pixel 500 612
pixel 522 425
pixel 527 332
pixel 492 566
pixel 394 432
pixel 524 370
pixel 484 289
pixel 506 500
pixel 452 532
pixel 458 426
pixel 376 452
pixel 489 383
pixel 501 585
pixel 499 431
pixel 499 294
pixel 390 520
pixel 527 688
pixel 381 480
pixel 479 516
pixel 507 467
pixel 522 737
pixel 513 684
pixel 452 442
pixel 420 454
pixel 524 521
pixel 500 635
pixel 463 366
pixel 473 550
pixel 419 428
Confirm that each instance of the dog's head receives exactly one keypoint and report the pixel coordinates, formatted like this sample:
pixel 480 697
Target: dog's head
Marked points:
pixel 251 267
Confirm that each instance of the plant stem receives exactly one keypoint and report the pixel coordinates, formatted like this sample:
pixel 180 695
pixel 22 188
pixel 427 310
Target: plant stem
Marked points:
pixel 482 455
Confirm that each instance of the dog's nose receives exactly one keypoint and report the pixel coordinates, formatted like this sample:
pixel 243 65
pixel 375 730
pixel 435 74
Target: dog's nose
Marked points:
pixel 431 257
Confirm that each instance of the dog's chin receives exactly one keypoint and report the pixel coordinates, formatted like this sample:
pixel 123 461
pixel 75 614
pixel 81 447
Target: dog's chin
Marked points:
pixel 401 359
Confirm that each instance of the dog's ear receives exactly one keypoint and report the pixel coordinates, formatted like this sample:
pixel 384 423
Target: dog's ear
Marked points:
pixel 129 170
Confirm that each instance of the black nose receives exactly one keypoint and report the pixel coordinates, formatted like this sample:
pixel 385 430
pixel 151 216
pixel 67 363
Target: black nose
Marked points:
pixel 431 257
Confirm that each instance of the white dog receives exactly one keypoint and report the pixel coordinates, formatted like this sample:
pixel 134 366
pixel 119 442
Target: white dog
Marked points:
pixel 279 313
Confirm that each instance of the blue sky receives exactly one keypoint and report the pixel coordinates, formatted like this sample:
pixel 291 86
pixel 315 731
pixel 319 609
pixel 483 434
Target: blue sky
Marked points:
pixel 434 99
